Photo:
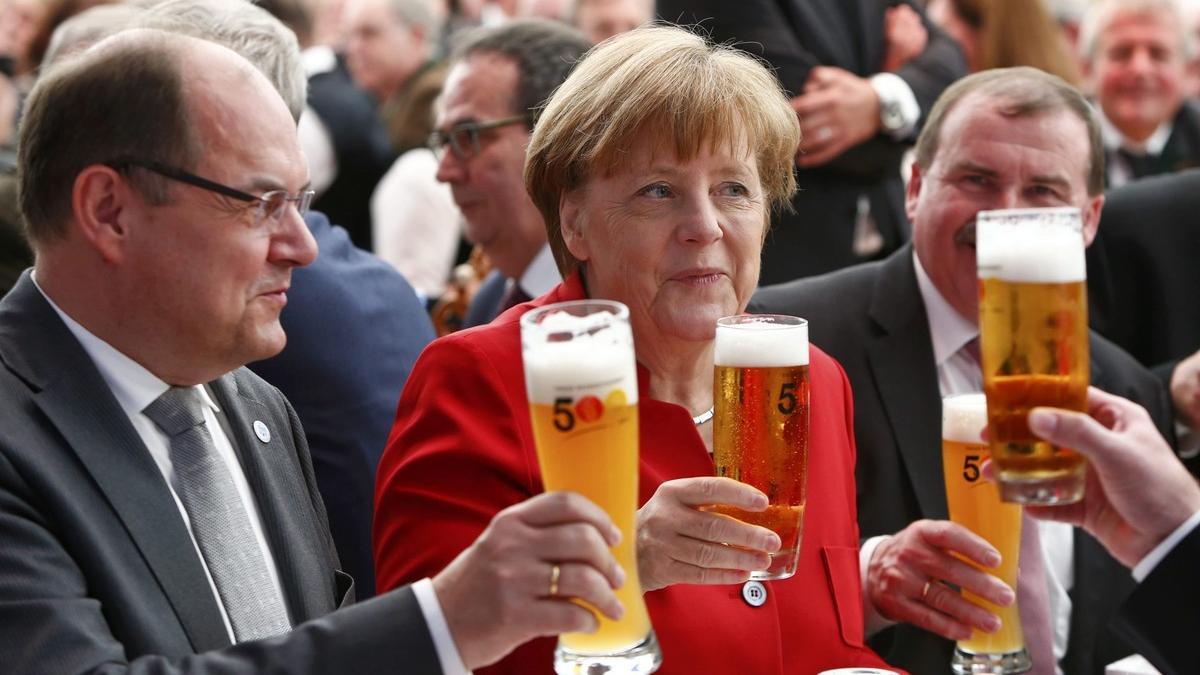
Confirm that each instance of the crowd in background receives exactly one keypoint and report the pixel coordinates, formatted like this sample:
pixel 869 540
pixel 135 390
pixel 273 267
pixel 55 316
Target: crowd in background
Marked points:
pixel 415 131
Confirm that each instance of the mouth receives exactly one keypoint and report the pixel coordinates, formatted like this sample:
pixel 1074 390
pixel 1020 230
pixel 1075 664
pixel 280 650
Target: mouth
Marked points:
pixel 700 277
pixel 965 236
pixel 277 295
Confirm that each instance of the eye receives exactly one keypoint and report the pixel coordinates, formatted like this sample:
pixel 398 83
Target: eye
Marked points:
pixel 1044 191
pixel 656 191
pixel 734 190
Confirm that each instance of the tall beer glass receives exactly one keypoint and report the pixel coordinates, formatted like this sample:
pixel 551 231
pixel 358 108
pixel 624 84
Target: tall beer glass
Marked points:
pixel 975 504
pixel 760 425
pixel 582 386
pixel 1034 344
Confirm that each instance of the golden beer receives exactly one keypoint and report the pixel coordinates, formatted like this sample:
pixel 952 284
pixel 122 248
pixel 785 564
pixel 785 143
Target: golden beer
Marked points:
pixel 975 504
pixel 761 424
pixel 1033 343
pixel 582 386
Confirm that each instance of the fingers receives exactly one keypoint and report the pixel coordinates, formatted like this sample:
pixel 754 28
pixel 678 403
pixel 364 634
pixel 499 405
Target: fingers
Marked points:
pixel 712 490
pixel 716 527
pixel 582 582
pixel 684 573
pixel 708 554
pixel 579 543
pixel 923 616
pixel 944 534
pixel 554 508
pixel 813 102
pixel 551 617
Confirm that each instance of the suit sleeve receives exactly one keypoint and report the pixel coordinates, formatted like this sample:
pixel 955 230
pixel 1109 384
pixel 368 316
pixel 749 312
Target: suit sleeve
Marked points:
pixel 49 623
pixel 935 68
pixel 1160 618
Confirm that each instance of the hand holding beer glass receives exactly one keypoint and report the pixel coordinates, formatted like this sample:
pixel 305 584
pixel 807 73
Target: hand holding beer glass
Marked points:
pixel 760 427
pixel 582 386
pixel 974 503
pixel 1034 344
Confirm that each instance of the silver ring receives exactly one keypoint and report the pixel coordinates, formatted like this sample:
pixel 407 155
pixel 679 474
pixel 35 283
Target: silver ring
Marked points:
pixel 555 571
pixel 824 134
pixel 925 590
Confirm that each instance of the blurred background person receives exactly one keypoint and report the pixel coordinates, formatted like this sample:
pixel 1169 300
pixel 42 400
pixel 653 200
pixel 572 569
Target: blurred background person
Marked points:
pixel 1138 64
pixel 654 167
pixel 599 20
pixel 499 79
pixel 389 53
pixel 858 121
pixel 341 135
pixel 1005 33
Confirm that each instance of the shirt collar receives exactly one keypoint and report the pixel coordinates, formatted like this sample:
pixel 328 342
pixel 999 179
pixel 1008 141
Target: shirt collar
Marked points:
pixel 948 329
pixel 133 386
pixel 541 274
pixel 318 59
pixel 1115 140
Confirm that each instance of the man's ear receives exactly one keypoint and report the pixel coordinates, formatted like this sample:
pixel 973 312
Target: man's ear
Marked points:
pixel 913 192
pixel 99 200
pixel 570 224
pixel 1091 218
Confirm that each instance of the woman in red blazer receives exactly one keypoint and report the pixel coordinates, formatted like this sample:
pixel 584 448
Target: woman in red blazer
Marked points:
pixel 654 166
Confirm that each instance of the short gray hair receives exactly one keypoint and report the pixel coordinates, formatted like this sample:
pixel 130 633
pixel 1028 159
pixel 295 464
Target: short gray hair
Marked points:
pixel 87 28
pixel 246 29
pixel 417 14
pixel 1101 13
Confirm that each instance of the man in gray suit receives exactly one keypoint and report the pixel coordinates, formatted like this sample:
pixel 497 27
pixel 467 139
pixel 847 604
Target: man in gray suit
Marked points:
pixel 157 502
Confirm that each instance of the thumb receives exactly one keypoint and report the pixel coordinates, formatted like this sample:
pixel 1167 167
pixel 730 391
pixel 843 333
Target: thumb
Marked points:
pixel 1072 429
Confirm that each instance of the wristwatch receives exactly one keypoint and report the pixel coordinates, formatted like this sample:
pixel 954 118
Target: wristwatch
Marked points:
pixel 891 115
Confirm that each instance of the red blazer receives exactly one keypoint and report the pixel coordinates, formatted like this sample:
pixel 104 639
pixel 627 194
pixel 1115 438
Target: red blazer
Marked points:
pixel 462 449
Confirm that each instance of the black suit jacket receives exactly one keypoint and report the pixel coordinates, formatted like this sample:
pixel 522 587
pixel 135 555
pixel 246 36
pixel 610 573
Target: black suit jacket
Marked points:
pixel 793 36
pixel 1144 270
pixel 872 319
pixel 1161 618
pixel 97 571
pixel 354 327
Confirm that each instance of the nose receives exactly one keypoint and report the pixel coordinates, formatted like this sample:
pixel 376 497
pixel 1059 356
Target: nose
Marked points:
pixel 700 222
pixel 1140 60
pixel 293 245
pixel 450 169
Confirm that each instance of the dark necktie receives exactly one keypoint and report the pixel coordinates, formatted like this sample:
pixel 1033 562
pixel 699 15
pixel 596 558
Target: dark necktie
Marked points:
pixel 513 297
pixel 219 520
pixel 1140 164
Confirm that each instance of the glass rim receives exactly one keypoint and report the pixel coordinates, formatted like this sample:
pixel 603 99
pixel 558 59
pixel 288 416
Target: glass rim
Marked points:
pixel 534 317
pixel 741 320
pixel 1064 215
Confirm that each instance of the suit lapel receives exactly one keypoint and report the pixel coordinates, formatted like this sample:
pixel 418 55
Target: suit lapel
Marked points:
pixel 822 32
pixel 282 498
pixel 901 358
pixel 77 401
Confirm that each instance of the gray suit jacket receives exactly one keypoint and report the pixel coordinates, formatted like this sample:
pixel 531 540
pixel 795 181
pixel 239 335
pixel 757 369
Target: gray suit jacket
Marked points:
pixel 97 572
pixel 871 318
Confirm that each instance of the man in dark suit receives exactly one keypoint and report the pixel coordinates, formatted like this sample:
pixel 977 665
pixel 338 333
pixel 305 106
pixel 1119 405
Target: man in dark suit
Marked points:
pixel 903 329
pixel 1145 508
pixel 858 121
pixel 157 502
pixel 1137 58
pixel 1142 277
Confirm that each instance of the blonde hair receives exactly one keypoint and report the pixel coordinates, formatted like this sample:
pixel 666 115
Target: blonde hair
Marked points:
pixel 663 80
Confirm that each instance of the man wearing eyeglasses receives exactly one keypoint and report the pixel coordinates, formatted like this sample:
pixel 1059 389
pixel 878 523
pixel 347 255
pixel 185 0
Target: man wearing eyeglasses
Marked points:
pixel 158 509
pixel 500 78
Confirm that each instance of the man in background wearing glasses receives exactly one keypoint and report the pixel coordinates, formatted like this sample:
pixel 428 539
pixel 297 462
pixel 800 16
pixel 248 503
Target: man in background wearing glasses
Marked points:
pixel 499 79
pixel 158 508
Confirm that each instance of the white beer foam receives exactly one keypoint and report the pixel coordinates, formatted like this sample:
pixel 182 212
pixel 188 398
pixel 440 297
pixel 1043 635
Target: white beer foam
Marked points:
pixel 1030 250
pixel 963 417
pixel 758 344
pixel 597 360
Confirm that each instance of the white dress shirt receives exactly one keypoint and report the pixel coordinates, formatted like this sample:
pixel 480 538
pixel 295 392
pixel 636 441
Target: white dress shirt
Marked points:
pixel 135 388
pixel 1118 173
pixel 540 275
pixel 958 373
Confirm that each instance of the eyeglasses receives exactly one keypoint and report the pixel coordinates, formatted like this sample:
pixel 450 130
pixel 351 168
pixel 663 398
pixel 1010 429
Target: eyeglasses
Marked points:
pixel 463 138
pixel 269 207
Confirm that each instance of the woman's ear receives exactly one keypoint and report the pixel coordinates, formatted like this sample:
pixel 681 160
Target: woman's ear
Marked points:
pixel 570 224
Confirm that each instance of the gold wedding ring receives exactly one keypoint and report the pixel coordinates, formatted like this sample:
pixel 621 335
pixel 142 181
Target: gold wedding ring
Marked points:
pixel 925 590
pixel 555 571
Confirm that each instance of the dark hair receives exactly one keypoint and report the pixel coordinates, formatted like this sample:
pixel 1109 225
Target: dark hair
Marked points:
pixel 124 98
pixel 544 51
pixel 1017 92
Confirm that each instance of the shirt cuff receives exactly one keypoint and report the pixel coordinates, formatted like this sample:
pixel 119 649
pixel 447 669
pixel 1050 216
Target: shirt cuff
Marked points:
pixel 873 621
pixel 890 87
pixel 1155 556
pixel 443 642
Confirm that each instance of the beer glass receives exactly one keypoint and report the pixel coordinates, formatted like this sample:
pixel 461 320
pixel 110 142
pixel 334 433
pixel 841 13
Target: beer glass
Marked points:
pixel 1034 344
pixel 760 423
pixel 975 504
pixel 582 386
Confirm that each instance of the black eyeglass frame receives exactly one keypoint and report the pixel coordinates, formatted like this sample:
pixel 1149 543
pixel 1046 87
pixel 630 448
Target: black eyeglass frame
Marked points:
pixel 302 200
pixel 438 140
